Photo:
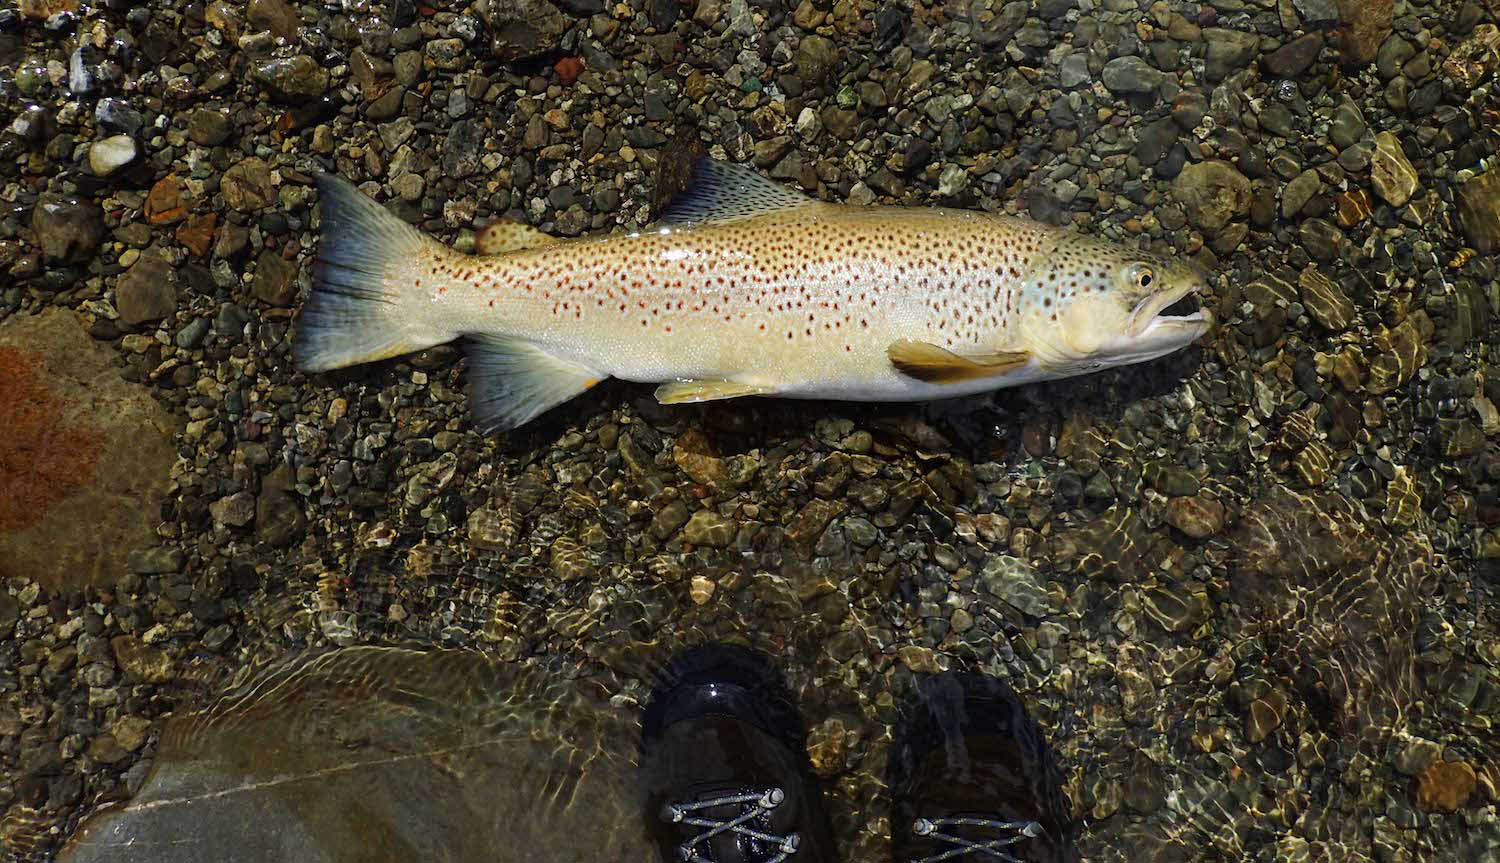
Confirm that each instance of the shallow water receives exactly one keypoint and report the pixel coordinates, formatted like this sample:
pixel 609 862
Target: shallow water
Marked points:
pixel 1247 590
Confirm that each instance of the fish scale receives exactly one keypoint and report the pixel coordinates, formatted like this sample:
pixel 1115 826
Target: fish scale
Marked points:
pixel 745 289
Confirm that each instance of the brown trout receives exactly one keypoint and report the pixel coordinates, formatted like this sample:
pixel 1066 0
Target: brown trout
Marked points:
pixel 744 288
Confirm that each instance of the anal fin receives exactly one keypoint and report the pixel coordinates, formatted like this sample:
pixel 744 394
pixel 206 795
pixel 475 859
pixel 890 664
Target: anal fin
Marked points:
pixel 928 362
pixel 688 392
pixel 512 381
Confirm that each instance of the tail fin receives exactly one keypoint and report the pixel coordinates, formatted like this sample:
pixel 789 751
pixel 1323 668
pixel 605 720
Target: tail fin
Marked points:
pixel 355 311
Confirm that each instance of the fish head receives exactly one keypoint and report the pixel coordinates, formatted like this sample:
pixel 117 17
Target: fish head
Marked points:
pixel 1093 304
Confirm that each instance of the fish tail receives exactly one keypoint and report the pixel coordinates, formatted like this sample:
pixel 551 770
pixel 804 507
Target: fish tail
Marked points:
pixel 360 308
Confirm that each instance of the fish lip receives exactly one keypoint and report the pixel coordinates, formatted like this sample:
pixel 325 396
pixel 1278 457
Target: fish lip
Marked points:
pixel 1149 310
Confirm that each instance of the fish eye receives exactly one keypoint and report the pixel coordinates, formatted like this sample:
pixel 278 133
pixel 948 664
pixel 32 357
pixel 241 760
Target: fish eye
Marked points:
pixel 1144 278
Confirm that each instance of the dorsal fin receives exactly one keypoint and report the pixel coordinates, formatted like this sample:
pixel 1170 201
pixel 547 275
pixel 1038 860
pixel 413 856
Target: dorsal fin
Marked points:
pixel 727 192
pixel 508 235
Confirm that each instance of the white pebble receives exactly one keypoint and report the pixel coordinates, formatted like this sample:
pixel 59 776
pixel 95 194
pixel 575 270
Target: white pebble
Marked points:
pixel 111 154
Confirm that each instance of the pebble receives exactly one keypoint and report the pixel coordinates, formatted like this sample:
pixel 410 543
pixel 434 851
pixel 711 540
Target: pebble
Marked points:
pixel 275 279
pixel 1391 173
pixel 1326 300
pixel 1228 51
pixel 523 29
pixel 1367 23
pixel 295 79
pixel 1212 193
pixel 247 186
pixel 110 154
pixel 67 229
pixel 815 59
pixel 236 510
pixel 117 115
pixel 1197 516
pixel 209 127
pixel 1348 125
pixel 1298 192
pixel 1479 211
pixel 1445 786
pixel 146 292
pixel 1131 74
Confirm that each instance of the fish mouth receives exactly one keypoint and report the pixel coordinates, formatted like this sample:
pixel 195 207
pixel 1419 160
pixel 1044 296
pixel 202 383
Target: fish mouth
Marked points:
pixel 1174 308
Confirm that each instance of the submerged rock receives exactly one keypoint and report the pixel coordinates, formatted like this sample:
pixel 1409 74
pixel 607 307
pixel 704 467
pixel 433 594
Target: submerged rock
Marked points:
pixel 1479 211
pixel 68 229
pixel 312 756
pixel 82 457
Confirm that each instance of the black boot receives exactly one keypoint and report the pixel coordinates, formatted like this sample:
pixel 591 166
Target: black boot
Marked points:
pixel 724 765
pixel 973 780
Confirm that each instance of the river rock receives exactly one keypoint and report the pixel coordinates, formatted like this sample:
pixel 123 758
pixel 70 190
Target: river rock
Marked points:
pixel 1479 211
pixel 67 229
pixel 1391 173
pixel 522 28
pixel 1212 194
pixel 110 154
pixel 1367 23
pixel 81 447
pixel 146 291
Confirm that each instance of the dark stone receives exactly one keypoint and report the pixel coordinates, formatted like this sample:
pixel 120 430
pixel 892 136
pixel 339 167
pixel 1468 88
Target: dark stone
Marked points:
pixel 461 154
pixel 146 292
pixel 1294 57
pixel 67 229
pixel 275 279
pixel 1156 140
pixel 522 29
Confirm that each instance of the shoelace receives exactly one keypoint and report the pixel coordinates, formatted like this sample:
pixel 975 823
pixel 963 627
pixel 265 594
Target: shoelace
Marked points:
pixel 993 848
pixel 758 804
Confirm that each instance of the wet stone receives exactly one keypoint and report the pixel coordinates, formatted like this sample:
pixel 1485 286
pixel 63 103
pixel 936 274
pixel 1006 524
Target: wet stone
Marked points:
pixel 1013 581
pixel 1197 516
pixel 1293 58
pixel 522 29
pixel 1326 301
pixel 140 661
pixel 1265 716
pixel 1212 193
pixel 668 519
pixel 1367 23
pixel 247 186
pixel 146 292
pixel 1391 173
pixel 815 59
pixel 273 15
pixel 295 79
pixel 1348 125
pixel 1175 609
pixel 275 279
pixel 1228 51
pixel 1130 74
pixel 111 154
pixel 1445 786
pixel 68 229
pixel 1322 240
pixel 812 520
pixel 209 127
pixel 1479 211
pixel 708 528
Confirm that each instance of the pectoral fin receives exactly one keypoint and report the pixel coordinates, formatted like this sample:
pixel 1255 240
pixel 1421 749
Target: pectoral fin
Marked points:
pixel 688 392
pixel 928 362
pixel 512 381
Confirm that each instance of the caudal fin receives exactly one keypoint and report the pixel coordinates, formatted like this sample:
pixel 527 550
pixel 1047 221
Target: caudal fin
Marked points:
pixel 358 311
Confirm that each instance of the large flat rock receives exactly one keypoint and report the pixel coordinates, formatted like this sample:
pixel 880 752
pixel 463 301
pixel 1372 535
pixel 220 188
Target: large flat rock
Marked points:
pixel 378 754
pixel 84 456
